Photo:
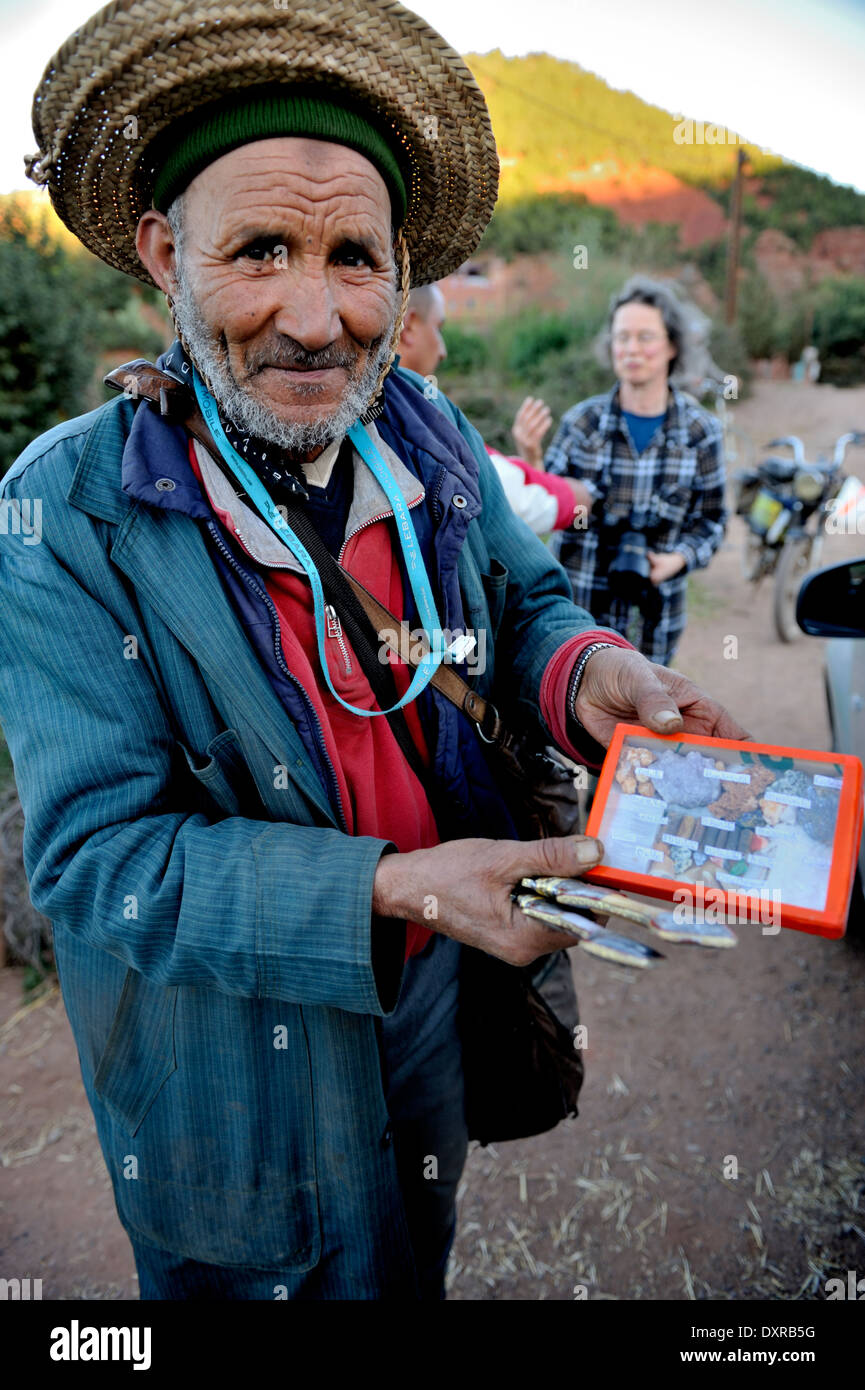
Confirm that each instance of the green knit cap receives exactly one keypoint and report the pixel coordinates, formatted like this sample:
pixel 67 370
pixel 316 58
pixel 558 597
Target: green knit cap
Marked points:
pixel 263 114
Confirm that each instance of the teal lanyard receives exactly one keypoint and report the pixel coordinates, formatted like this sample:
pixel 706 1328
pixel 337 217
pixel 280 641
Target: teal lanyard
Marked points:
pixel 415 567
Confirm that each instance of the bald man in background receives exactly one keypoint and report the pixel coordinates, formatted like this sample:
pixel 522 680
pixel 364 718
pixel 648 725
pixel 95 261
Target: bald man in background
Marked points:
pixel 543 502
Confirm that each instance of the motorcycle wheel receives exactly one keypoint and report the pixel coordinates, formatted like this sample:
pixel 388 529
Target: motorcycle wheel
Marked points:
pixel 752 558
pixel 794 563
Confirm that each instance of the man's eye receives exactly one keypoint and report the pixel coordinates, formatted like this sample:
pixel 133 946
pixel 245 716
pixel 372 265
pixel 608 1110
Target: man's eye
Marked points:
pixel 353 254
pixel 258 251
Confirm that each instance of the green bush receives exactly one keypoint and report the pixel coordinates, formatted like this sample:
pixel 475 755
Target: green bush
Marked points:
pixel 758 316
pixel 129 326
pixel 572 377
pixel 58 310
pixel 655 244
pixel 44 365
pixel 490 406
pixel 839 329
pixel 711 260
pixel 561 222
pixel 467 351
pixel 803 203
pixel 731 355
pixel 549 222
pixel 546 355
pixel 538 335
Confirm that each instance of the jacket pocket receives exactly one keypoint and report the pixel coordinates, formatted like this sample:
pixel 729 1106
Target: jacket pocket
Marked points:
pixel 225 1168
pixel 671 504
pixel 496 588
pixel 139 1053
pixel 224 774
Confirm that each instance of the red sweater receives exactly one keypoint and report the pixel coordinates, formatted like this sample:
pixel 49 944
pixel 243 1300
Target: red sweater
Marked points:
pixel 550 482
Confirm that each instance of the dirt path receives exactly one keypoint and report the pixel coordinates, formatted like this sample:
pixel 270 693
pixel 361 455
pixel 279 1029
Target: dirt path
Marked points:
pixel 754 1055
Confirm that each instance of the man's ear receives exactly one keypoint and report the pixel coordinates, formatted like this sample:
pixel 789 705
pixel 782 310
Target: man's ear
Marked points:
pixel 408 324
pixel 154 242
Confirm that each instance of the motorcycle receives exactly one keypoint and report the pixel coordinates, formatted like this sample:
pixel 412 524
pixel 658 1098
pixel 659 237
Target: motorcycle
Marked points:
pixel 785 502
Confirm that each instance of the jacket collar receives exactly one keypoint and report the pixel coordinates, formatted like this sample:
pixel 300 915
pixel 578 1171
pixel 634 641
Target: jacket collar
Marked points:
pixel 162 551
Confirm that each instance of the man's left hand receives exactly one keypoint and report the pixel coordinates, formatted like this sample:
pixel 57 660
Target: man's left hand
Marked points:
pixel 619 685
pixel 663 564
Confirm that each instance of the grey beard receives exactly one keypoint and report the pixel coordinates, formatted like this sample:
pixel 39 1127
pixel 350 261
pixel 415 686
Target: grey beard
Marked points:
pixel 250 415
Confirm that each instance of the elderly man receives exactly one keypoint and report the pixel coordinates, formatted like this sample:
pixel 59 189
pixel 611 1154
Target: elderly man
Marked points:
pixel 262 871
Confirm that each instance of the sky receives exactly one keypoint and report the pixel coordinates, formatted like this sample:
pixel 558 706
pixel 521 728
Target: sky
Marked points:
pixel 788 75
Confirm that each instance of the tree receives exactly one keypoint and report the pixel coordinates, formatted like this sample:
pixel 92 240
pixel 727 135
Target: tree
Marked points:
pixel 58 309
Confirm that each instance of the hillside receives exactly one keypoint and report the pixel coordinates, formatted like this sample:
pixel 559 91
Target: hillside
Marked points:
pixel 563 130
pixel 587 122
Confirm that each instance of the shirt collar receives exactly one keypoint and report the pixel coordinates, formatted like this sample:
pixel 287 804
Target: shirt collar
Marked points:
pixel 369 501
pixel 318 472
pixel 612 412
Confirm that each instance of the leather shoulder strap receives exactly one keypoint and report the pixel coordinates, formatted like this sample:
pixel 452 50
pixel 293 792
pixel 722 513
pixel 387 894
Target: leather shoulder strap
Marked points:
pixel 403 642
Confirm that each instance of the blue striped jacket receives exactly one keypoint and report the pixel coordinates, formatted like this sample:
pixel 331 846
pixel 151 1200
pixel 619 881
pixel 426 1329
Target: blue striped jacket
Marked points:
pixel 212 921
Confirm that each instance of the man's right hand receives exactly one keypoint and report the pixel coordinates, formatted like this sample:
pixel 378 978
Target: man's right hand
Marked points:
pixel 462 889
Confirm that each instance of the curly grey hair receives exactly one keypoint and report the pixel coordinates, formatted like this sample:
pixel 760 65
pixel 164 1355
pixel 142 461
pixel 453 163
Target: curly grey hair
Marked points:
pixel 674 312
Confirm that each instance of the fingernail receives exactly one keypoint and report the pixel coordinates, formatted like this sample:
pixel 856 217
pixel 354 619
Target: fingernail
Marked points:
pixel 667 717
pixel 589 850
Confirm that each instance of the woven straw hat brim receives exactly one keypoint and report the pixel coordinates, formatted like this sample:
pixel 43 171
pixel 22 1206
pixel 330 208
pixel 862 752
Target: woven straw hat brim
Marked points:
pixel 122 79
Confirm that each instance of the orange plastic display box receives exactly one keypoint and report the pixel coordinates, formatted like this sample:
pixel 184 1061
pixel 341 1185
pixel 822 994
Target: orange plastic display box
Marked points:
pixel 752 831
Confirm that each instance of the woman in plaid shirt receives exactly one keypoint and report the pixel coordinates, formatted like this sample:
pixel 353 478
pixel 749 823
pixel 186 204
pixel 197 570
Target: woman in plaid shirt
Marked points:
pixel 648 459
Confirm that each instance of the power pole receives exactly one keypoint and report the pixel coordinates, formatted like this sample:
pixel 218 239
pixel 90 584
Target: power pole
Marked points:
pixel 735 237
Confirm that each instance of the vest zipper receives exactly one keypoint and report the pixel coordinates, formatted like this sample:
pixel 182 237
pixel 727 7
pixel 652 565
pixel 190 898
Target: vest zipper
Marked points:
pixel 277 647
pixel 334 629
pixel 370 521
pixel 271 564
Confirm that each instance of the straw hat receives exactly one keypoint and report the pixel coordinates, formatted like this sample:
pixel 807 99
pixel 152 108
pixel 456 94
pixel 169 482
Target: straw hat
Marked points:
pixel 110 94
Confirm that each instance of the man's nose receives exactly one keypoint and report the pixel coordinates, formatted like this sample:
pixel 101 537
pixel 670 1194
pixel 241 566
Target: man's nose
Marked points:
pixel 306 309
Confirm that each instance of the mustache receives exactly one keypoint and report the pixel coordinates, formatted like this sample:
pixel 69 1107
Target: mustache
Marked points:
pixel 291 355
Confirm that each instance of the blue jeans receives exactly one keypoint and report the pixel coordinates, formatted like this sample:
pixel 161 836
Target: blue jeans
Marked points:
pixel 423 1087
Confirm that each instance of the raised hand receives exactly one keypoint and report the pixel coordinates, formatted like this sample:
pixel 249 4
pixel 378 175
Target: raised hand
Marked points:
pixel 531 423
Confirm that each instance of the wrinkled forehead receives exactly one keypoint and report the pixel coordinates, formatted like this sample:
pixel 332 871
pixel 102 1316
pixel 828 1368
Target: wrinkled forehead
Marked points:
pixel 291 175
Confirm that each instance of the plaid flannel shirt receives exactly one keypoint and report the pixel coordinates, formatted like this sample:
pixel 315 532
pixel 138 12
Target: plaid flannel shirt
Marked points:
pixel 674 491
